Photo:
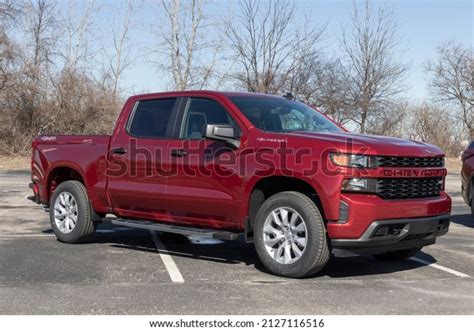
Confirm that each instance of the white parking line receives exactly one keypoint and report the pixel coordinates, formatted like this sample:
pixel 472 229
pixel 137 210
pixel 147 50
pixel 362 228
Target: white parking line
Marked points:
pixel 25 235
pixel 440 267
pixel 172 268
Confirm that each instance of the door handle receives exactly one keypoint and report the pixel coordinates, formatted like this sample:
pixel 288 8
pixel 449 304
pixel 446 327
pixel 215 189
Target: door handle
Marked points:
pixel 179 152
pixel 119 150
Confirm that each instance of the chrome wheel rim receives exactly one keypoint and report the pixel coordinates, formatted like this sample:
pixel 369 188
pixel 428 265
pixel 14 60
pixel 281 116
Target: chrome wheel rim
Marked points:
pixel 65 212
pixel 284 235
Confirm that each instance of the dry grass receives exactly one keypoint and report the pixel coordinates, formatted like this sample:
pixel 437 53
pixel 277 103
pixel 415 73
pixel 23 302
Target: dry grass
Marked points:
pixel 14 162
pixel 453 164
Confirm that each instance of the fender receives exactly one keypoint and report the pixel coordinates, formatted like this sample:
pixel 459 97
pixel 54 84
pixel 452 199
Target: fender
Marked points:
pixel 254 180
pixel 63 164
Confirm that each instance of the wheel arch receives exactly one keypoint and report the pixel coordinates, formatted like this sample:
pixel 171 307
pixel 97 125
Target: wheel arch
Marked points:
pixel 61 173
pixel 470 191
pixel 264 188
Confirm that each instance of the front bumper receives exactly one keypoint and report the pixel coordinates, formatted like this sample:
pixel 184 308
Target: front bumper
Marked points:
pixel 397 234
pixel 364 209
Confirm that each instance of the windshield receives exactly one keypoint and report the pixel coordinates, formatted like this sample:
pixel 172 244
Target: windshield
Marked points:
pixel 282 115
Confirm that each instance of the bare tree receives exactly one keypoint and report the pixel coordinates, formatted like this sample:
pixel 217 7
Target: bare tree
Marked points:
pixel 47 74
pixel 269 45
pixel 452 82
pixel 79 103
pixel 9 13
pixel 187 44
pixel 77 48
pixel 26 76
pixel 40 30
pixel 9 62
pixel 40 25
pixel 120 56
pixel 181 53
pixel 322 83
pixel 370 46
pixel 434 125
pixel 8 10
pixel 390 121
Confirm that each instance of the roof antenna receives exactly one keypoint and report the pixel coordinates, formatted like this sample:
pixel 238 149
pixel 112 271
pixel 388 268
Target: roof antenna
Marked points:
pixel 289 96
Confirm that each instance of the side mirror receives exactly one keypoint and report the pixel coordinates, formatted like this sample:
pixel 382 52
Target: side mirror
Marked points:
pixel 222 132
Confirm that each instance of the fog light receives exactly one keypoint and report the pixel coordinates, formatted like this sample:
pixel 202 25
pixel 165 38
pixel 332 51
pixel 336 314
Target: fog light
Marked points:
pixel 381 231
pixel 389 230
pixel 355 184
pixel 395 230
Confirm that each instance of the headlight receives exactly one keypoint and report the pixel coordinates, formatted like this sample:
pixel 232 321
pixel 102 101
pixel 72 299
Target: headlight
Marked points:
pixel 352 160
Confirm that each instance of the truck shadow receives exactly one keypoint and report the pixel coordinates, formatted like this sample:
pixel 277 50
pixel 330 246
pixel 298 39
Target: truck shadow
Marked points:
pixel 341 267
pixel 238 252
pixel 464 219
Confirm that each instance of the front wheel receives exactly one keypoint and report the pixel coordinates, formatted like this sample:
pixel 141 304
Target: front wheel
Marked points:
pixel 290 236
pixel 70 213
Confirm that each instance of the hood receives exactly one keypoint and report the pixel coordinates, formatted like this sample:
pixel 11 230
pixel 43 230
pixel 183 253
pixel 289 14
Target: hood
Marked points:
pixel 347 142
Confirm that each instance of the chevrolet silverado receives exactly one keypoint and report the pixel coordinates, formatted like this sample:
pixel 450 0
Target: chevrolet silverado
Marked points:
pixel 269 169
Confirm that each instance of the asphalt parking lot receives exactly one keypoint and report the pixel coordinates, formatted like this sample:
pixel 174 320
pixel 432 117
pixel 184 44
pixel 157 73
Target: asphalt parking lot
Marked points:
pixel 126 271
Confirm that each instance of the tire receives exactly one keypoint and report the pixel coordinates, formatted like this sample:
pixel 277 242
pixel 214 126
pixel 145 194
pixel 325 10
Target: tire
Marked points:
pixel 472 200
pixel 300 261
pixel 77 226
pixel 398 255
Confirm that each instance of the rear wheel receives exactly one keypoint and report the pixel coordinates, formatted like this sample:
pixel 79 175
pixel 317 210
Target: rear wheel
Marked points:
pixel 398 255
pixel 290 235
pixel 70 213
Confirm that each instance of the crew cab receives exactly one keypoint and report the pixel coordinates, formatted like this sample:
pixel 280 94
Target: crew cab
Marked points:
pixel 229 165
pixel 467 176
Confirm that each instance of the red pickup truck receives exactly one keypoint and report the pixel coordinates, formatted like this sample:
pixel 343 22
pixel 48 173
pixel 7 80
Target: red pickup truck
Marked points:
pixel 228 165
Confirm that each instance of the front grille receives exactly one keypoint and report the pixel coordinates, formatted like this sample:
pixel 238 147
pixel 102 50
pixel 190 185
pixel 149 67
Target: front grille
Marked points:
pixel 407 162
pixel 409 188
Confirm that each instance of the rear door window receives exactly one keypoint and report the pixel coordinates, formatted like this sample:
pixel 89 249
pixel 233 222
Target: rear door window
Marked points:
pixel 152 119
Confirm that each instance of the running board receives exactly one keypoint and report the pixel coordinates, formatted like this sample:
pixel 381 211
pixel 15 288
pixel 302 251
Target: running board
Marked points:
pixel 188 231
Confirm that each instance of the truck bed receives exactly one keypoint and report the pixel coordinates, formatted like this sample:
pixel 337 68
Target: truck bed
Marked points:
pixel 85 154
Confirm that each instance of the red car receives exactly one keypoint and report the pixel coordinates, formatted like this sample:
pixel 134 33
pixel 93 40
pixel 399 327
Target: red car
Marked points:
pixel 467 176
pixel 220 164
